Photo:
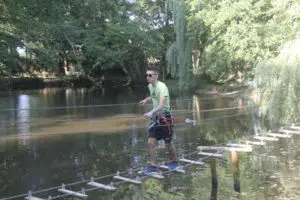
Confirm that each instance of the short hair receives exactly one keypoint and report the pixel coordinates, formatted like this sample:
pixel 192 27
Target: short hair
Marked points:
pixel 153 68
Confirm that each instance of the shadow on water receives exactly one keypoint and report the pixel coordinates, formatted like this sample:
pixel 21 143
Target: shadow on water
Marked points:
pixel 34 163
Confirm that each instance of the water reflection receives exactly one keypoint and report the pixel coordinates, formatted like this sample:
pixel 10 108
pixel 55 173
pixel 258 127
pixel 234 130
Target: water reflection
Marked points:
pixel 136 161
pixel 241 105
pixel 134 139
pixel 256 121
pixel 255 113
pixel 52 160
pixel 196 108
pixel 23 113
pixel 79 170
pixel 23 116
pixel 214 180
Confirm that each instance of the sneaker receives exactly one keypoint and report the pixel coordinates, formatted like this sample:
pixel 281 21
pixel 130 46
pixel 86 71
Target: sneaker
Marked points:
pixel 150 169
pixel 172 165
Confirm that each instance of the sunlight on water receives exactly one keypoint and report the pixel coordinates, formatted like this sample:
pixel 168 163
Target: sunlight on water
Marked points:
pixel 23 114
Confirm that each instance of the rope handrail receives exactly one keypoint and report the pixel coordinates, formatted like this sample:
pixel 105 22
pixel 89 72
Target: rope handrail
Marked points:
pixel 81 106
pixel 218 96
pixel 121 117
pixel 102 105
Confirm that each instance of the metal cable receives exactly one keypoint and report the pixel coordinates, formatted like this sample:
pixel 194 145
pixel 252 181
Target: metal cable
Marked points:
pixel 120 117
pixel 218 96
pixel 83 106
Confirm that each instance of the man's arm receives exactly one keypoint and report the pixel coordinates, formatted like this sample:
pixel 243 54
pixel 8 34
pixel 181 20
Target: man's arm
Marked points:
pixel 147 99
pixel 160 106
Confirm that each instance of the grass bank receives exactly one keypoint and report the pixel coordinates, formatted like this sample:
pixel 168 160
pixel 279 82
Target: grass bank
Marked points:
pixel 38 83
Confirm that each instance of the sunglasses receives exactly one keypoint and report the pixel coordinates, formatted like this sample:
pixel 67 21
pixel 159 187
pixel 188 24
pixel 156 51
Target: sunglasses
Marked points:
pixel 150 75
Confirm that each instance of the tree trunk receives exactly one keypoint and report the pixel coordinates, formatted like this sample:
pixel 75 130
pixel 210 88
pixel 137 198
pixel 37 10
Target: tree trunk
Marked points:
pixel 196 61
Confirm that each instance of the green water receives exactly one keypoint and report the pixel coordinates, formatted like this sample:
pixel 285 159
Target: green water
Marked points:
pixel 29 163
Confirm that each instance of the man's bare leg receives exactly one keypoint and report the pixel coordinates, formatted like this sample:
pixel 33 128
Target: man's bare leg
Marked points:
pixel 172 151
pixel 151 150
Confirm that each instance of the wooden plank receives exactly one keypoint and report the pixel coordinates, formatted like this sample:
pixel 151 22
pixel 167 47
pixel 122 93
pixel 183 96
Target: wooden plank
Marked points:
pixel 239 149
pixel 255 142
pixel 33 198
pixel 289 131
pixel 191 161
pixel 239 145
pixel 279 135
pixel 217 155
pixel 266 138
pixel 101 186
pixel 73 193
pixel 209 148
pixel 156 175
pixel 177 169
pixel 127 179
pixel 295 127
pixel 189 121
pixel 153 174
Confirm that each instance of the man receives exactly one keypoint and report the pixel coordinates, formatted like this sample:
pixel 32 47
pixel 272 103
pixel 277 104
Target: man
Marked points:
pixel 160 126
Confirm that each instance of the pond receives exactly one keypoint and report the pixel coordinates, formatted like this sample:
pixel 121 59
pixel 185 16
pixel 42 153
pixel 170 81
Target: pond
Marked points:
pixel 54 136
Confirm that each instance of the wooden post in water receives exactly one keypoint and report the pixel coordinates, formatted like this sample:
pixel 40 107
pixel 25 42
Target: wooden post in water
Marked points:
pixel 235 171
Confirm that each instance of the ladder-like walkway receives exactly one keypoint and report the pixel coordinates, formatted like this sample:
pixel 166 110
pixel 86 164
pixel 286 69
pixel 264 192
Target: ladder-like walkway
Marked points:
pixel 206 152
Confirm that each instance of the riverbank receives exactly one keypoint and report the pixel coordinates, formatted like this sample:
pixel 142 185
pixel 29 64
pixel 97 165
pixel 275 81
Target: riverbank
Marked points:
pixel 38 83
pixel 23 83
pixel 65 81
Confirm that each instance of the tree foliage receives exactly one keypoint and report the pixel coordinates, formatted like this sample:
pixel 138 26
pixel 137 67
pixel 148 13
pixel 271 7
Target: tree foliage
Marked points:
pixel 277 85
pixel 235 35
pixel 96 35
pixel 179 54
pixel 217 39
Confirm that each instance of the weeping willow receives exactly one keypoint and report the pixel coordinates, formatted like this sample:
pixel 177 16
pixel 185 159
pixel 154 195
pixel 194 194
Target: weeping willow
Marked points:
pixel 179 54
pixel 277 83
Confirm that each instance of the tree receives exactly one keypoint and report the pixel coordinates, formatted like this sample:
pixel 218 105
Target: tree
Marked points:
pixel 179 54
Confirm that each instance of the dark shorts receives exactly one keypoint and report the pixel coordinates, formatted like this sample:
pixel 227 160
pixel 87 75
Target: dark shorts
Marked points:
pixel 161 127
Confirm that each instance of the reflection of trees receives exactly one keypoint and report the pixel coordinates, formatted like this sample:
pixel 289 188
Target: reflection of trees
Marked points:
pixel 68 157
pixel 225 129
pixel 195 186
pixel 196 108
pixel 89 155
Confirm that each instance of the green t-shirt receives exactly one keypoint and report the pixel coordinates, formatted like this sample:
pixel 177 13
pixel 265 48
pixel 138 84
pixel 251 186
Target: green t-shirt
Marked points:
pixel 158 90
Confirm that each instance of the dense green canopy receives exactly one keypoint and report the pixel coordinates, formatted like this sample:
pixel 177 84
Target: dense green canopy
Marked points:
pixel 216 40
